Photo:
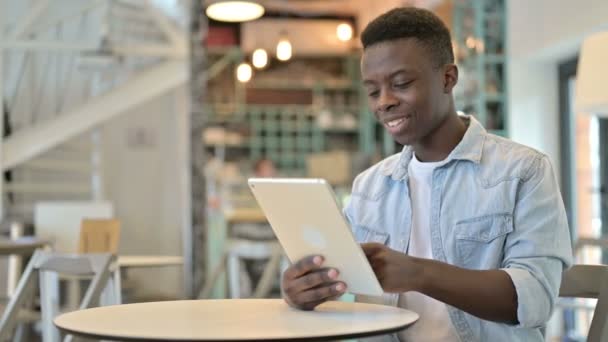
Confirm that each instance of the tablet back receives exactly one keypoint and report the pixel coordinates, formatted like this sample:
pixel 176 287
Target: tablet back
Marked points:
pixel 307 221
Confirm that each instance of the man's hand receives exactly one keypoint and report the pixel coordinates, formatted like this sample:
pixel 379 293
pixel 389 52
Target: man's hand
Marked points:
pixel 487 294
pixel 396 271
pixel 307 284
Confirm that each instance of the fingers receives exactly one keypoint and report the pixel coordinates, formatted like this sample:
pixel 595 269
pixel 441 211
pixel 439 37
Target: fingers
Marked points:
pixel 311 306
pixel 304 266
pixel 306 284
pixel 312 280
pixel 313 286
pixel 311 298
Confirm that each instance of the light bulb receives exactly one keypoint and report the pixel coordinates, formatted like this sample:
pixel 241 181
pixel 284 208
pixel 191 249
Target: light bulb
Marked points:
pixel 234 11
pixel 284 49
pixel 259 58
pixel 244 72
pixel 344 32
pixel 471 42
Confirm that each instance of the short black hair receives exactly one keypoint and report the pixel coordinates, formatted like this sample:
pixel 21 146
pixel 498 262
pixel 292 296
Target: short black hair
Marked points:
pixel 412 22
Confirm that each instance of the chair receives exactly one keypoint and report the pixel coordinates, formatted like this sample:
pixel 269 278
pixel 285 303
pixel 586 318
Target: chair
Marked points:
pixel 248 237
pixel 60 222
pixel 46 267
pixel 99 236
pixel 589 281
pixel 19 247
pixel 237 249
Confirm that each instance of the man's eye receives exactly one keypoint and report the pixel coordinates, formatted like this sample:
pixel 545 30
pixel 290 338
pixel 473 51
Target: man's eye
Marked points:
pixel 402 85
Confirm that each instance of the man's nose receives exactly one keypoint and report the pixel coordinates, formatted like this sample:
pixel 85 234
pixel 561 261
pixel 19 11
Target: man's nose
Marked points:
pixel 387 101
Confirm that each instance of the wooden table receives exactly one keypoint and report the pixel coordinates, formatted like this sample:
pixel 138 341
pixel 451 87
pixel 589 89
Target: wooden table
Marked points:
pixel 234 320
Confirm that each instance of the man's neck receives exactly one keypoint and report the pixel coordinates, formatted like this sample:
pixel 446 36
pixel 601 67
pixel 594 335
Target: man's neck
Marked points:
pixel 439 143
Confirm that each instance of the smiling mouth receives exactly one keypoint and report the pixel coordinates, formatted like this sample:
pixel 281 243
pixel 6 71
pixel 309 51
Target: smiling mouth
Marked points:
pixel 395 122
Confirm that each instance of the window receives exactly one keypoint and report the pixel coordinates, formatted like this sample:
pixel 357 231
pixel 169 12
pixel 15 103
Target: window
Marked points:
pixel 584 175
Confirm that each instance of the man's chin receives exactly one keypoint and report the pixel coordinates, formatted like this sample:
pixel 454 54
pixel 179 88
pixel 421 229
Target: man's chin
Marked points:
pixel 404 139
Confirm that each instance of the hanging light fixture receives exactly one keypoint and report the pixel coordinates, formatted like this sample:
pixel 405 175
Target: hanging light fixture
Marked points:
pixel 259 58
pixel 284 50
pixel 244 72
pixel 344 32
pixel 234 11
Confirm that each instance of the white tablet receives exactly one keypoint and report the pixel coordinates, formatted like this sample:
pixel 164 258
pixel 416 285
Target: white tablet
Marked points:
pixel 307 220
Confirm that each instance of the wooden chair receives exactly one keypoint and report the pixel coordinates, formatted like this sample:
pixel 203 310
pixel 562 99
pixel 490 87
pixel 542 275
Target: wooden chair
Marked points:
pixel 99 236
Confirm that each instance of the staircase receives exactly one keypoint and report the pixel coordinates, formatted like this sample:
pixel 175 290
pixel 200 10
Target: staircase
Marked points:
pixel 70 66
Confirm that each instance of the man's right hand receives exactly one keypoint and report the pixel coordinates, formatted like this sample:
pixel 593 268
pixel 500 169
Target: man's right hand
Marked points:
pixel 307 284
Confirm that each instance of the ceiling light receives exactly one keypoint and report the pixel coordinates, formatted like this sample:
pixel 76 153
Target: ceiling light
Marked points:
pixel 234 11
pixel 259 58
pixel 344 32
pixel 284 50
pixel 244 72
pixel 471 42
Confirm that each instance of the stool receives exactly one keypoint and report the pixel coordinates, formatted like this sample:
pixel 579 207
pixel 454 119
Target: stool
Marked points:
pixel 231 263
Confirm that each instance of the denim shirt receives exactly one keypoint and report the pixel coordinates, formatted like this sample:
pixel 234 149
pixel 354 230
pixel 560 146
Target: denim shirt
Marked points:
pixel 495 204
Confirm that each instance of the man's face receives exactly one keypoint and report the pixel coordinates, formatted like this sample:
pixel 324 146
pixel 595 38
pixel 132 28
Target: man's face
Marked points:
pixel 406 92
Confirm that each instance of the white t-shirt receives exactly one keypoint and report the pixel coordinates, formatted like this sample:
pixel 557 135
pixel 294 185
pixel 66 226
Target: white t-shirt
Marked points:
pixel 434 323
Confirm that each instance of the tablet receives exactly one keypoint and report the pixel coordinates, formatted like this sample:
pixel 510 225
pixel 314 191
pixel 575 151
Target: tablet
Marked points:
pixel 307 220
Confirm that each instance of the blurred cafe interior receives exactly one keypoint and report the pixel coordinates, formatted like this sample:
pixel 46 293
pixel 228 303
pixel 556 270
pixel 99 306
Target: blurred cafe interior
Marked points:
pixel 130 127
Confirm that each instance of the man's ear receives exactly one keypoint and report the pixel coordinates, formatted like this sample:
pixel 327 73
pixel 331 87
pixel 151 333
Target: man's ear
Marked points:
pixel 450 77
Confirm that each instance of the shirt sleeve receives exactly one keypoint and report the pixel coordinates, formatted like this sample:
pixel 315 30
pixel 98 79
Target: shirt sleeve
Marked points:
pixel 539 248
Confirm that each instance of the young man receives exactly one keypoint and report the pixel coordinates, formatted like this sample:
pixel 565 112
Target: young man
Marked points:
pixel 464 227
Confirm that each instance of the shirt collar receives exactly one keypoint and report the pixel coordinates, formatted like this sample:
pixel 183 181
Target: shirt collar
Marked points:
pixel 469 148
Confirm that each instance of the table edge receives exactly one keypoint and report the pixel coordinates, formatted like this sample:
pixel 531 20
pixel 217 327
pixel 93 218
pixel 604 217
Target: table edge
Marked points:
pixel 299 339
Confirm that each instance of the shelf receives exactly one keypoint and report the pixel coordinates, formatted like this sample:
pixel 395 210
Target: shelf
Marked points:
pixel 494 59
pixel 233 146
pixel 495 98
pixel 301 85
pixel 288 134
pixel 340 131
pixel 488 97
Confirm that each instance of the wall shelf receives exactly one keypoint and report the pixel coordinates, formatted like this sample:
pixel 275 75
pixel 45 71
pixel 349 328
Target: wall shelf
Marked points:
pixel 289 133
pixel 479 33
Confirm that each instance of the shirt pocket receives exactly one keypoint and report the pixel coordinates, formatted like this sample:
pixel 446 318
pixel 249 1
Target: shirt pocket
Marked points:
pixel 365 234
pixel 480 241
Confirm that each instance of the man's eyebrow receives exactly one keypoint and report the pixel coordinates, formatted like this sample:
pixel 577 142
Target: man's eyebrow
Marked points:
pixel 400 71
pixel 391 75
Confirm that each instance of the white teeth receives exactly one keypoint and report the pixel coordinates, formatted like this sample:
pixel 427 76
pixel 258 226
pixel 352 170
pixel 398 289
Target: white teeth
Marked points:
pixel 395 122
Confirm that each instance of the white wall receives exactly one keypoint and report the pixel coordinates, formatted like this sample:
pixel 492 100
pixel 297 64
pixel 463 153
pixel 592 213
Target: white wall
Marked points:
pixel 541 34
pixel 142 176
